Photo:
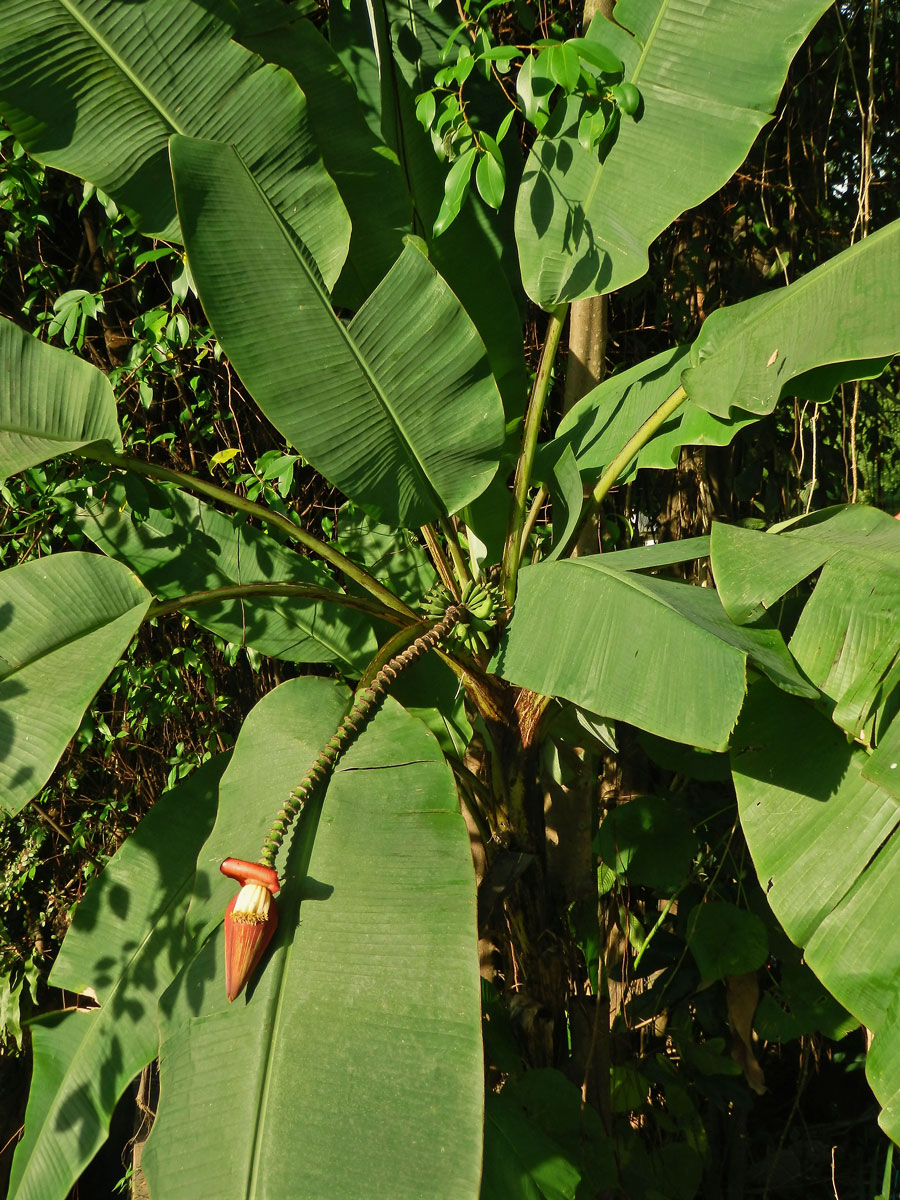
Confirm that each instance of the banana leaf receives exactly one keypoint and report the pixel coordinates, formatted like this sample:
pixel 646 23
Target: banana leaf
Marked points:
pixel 96 87
pixel 658 654
pixel 398 408
pixel 50 402
pixel 709 73
pixel 64 622
pixel 368 1005
pixel 125 944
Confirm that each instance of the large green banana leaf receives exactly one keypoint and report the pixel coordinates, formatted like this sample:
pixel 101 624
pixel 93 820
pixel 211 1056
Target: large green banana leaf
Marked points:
pixel 64 623
pixel 97 86
pixel 709 74
pixel 398 408
pixel 826 847
pixel 660 655
pixel 368 1008
pixel 125 943
pixel 176 544
pixel 367 173
pixel 50 402
pixel 750 354
pixel 847 640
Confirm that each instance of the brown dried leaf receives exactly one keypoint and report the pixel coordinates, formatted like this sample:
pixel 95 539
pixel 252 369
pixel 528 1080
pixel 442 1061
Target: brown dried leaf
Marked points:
pixel 742 993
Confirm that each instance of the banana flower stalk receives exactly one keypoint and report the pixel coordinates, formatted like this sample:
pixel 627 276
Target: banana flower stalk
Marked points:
pixel 250 920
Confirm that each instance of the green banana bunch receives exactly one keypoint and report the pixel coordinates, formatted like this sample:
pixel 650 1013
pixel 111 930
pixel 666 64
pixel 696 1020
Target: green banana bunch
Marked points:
pixel 480 603
pixel 478 599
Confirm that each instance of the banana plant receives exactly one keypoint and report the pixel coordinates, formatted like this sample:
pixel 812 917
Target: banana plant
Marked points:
pixel 345 1057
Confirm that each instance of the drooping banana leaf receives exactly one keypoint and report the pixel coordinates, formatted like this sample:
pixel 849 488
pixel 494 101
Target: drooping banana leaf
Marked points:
pixel 826 846
pixel 367 1007
pixel 709 73
pixel 398 408
pixel 847 640
pixel 659 554
pixel 567 492
pixel 64 622
pixel 883 766
pixel 177 545
pixel 430 691
pixel 750 354
pixel 745 358
pixel 252 17
pixel 96 87
pixel 125 944
pixel 600 424
pixel 50 402
pixel 350 36
pixel 540 1143
pixel 603 651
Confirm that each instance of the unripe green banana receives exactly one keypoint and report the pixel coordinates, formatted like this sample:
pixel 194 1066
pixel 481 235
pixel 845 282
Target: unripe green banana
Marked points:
pixel 480 602
pixel 437 601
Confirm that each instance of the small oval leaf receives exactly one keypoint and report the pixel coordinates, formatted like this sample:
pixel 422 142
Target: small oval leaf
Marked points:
pixel 456 188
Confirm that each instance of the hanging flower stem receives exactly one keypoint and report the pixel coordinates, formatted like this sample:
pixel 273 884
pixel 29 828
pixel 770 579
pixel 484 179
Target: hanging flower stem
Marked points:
pixel 365 704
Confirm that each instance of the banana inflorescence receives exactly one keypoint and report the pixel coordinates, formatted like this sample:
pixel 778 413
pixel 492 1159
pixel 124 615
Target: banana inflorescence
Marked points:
pixel 480 603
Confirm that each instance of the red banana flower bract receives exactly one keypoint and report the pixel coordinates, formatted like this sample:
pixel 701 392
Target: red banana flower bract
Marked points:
pixel 250 920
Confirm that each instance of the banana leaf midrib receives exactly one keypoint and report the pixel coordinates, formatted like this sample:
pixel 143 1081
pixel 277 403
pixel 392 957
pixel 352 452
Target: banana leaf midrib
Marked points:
pixel 110 53
pixel 648 45
pixel 264 1086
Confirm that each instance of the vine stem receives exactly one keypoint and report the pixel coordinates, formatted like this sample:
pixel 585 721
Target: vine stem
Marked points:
pixel 512 552
pixel 201 487
pixel 365 704
pixel 634 444
pixel 653 932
